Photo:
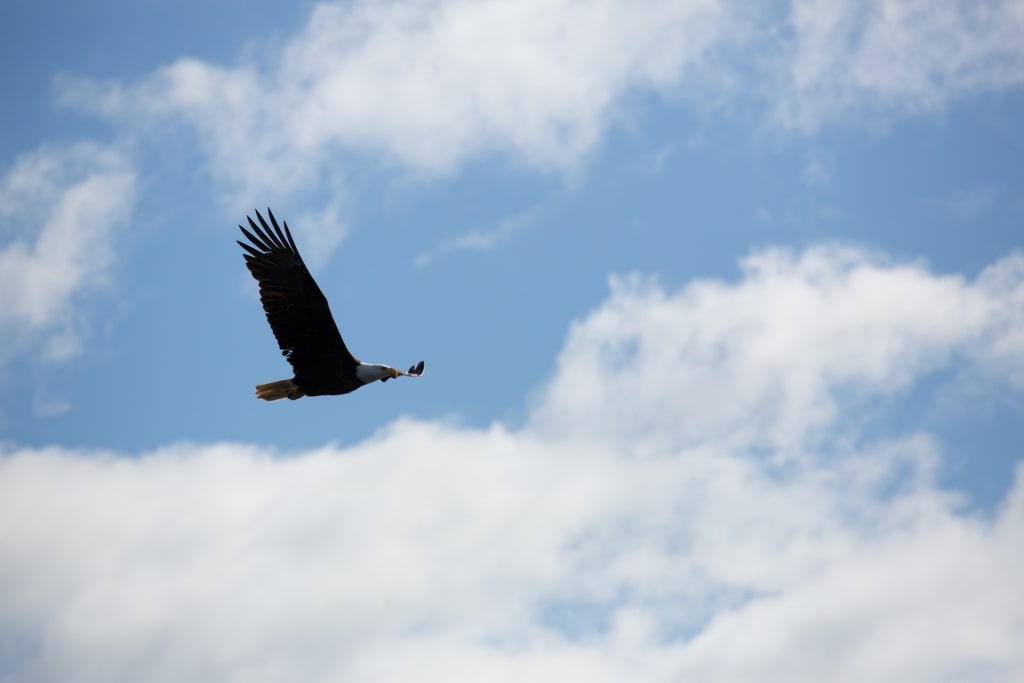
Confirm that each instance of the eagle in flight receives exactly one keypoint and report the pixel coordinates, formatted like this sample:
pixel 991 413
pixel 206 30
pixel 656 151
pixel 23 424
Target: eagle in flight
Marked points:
pixel 301 321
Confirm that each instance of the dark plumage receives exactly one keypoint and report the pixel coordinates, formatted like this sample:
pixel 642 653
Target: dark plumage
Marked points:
pixel 301 321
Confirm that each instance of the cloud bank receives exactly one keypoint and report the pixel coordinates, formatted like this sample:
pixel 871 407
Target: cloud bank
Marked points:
pixel 692 498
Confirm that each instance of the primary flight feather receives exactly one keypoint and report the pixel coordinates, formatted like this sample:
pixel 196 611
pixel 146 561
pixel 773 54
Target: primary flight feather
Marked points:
pixel 301 321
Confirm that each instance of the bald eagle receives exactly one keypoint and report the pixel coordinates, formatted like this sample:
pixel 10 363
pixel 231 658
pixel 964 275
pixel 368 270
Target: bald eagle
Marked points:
pixel 301 321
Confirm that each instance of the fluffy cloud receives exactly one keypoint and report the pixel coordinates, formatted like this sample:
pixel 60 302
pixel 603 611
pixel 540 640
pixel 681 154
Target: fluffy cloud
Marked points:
pixel 432 84
pixel 770 359
pixel 429 84
pixel 671 510
pixel 61 206
pixel 894 56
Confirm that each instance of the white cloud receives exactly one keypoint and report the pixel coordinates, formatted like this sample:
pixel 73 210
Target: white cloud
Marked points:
pixel 432 84
pixel 324 229
pixel 766 360
pixel 719 540
pixel 1002 348
pixel 429 84
pixel 481 240
pixel 61 207
pixel 893 57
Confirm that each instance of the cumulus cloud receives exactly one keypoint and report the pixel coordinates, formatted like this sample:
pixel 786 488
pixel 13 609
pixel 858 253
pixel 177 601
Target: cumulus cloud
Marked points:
pixel 671 510
pixel 61 207
pixel 769 359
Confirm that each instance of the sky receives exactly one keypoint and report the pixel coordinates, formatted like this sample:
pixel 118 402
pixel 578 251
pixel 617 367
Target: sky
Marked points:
pixel 721 304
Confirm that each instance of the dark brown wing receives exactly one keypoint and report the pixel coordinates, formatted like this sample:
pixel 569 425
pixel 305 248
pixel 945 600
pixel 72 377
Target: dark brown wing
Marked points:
pixel 296 308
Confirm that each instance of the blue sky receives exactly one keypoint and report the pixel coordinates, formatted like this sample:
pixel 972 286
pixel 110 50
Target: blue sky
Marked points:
pixel 722 311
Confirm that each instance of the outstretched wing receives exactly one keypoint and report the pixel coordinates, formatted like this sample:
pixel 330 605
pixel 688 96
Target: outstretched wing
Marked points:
pixel 296 308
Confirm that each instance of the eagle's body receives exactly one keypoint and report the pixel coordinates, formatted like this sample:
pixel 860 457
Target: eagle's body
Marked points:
pixel 301 321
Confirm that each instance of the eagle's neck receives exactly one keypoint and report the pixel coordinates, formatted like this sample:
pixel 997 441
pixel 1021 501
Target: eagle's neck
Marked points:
pixel 371 372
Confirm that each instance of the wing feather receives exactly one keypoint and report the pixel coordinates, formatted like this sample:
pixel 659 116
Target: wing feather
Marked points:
pixel 296 309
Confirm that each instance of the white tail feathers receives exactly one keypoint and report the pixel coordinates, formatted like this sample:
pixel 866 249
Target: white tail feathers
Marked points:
pixel 282 388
